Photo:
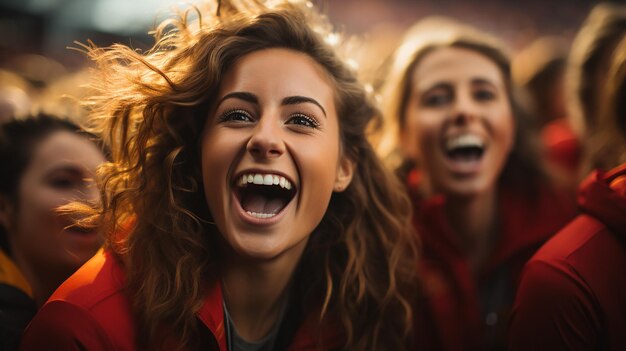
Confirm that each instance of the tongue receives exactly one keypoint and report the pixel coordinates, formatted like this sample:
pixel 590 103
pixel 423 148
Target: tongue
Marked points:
pixel 262 204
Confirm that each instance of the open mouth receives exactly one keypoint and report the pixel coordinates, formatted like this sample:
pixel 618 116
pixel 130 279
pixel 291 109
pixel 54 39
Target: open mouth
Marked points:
pixel 263 195
pixel 465 148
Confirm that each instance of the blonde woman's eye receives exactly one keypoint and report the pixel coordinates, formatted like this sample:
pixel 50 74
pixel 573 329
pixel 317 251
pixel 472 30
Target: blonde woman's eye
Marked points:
pixel 484 95
pixel 236 116
pixel 303 120
pixel 435 100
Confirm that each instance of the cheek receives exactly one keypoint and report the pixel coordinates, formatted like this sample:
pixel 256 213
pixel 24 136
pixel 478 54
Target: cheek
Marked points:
pixel 420 135
pixel 506 131
pixel 319 164
pixel 37 216
pixel 214 168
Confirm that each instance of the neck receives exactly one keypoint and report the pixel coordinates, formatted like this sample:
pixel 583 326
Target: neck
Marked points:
pixel 254 290
pixel 42 284
pixel 475 220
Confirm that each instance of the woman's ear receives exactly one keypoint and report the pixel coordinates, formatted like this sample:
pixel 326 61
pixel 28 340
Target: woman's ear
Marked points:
pixel 344 174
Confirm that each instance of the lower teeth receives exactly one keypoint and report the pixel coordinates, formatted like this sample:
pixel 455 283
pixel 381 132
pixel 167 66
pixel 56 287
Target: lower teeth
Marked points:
pixel 261 215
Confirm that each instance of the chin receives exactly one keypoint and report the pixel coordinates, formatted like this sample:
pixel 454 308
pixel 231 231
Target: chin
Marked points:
pixel 255 248
pixel 469 189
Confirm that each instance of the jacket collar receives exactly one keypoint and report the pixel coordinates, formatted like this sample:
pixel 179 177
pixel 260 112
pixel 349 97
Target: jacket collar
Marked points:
pixel 11 275
pixel 603 195
pixel 212 313
pixel 525 224
pixel 310 336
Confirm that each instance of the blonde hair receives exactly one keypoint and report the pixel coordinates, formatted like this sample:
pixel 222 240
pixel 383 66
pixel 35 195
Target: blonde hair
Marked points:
pixel 601 31
pixel 360 265
pixel 607 142
pixel 523 169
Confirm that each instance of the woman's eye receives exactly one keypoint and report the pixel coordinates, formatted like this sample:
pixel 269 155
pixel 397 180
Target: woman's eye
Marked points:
pixel 484 95
pixel 62 183
pixel 439 95
pixel 303 120
pixel 237 116
pixel 435 100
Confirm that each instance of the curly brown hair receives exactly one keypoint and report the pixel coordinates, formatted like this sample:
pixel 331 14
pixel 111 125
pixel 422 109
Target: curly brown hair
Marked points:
pixel 152 108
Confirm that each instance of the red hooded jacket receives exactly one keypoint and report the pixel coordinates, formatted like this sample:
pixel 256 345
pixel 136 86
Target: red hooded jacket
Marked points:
pixel 562 146
pixel 573 292
pixel 90 311
pixel 462 310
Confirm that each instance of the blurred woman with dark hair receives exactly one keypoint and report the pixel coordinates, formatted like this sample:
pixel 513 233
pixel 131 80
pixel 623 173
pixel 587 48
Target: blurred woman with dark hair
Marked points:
pixel 46 163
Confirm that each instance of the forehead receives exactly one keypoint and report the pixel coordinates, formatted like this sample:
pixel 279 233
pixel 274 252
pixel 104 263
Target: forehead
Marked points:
pixel 279 71
pixel 454 64
pixel 66 147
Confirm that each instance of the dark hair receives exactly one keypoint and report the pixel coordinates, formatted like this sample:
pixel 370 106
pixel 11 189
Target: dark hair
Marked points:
pixel 19 139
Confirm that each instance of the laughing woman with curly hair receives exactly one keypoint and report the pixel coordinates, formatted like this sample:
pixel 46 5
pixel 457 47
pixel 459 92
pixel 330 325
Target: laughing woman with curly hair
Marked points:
pixel 244 207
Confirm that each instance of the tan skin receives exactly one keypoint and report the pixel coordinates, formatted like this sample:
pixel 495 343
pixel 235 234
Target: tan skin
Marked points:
pixel 459 93
pixel 277 121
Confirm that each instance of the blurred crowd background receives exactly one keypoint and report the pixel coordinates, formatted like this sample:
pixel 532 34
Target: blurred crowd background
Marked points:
pixel 47 27
pixel 37 61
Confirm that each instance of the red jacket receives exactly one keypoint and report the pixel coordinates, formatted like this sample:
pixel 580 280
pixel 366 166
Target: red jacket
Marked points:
pixel 462 311
pixel 573 292
pixel 90 311
pixel 563 149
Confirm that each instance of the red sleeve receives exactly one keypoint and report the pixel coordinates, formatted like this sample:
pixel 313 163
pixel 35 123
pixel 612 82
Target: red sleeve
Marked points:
pixel 553 310
pixel 63 326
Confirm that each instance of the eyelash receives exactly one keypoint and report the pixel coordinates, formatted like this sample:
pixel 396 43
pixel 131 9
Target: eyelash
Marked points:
pixel 62 183
pixel 225 117
pixel 439 98
pixel 312 121
pixel 485 94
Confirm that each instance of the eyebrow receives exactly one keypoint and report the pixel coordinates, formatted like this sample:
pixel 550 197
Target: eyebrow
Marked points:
pixel 68 167
pixel 293 100
pixel 448 85
pixel 290 100
pixel 241 95
pixel 483 81
pixel 439 85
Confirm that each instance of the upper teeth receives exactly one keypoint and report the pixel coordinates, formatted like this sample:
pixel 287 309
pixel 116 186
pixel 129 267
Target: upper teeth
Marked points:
pixel 265 179
pixel 465 140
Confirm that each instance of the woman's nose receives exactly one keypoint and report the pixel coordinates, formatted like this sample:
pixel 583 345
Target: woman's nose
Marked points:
pixel 266 141
pixel 465 109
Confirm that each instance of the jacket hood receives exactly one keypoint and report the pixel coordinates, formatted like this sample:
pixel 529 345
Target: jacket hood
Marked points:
pixel 603 195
